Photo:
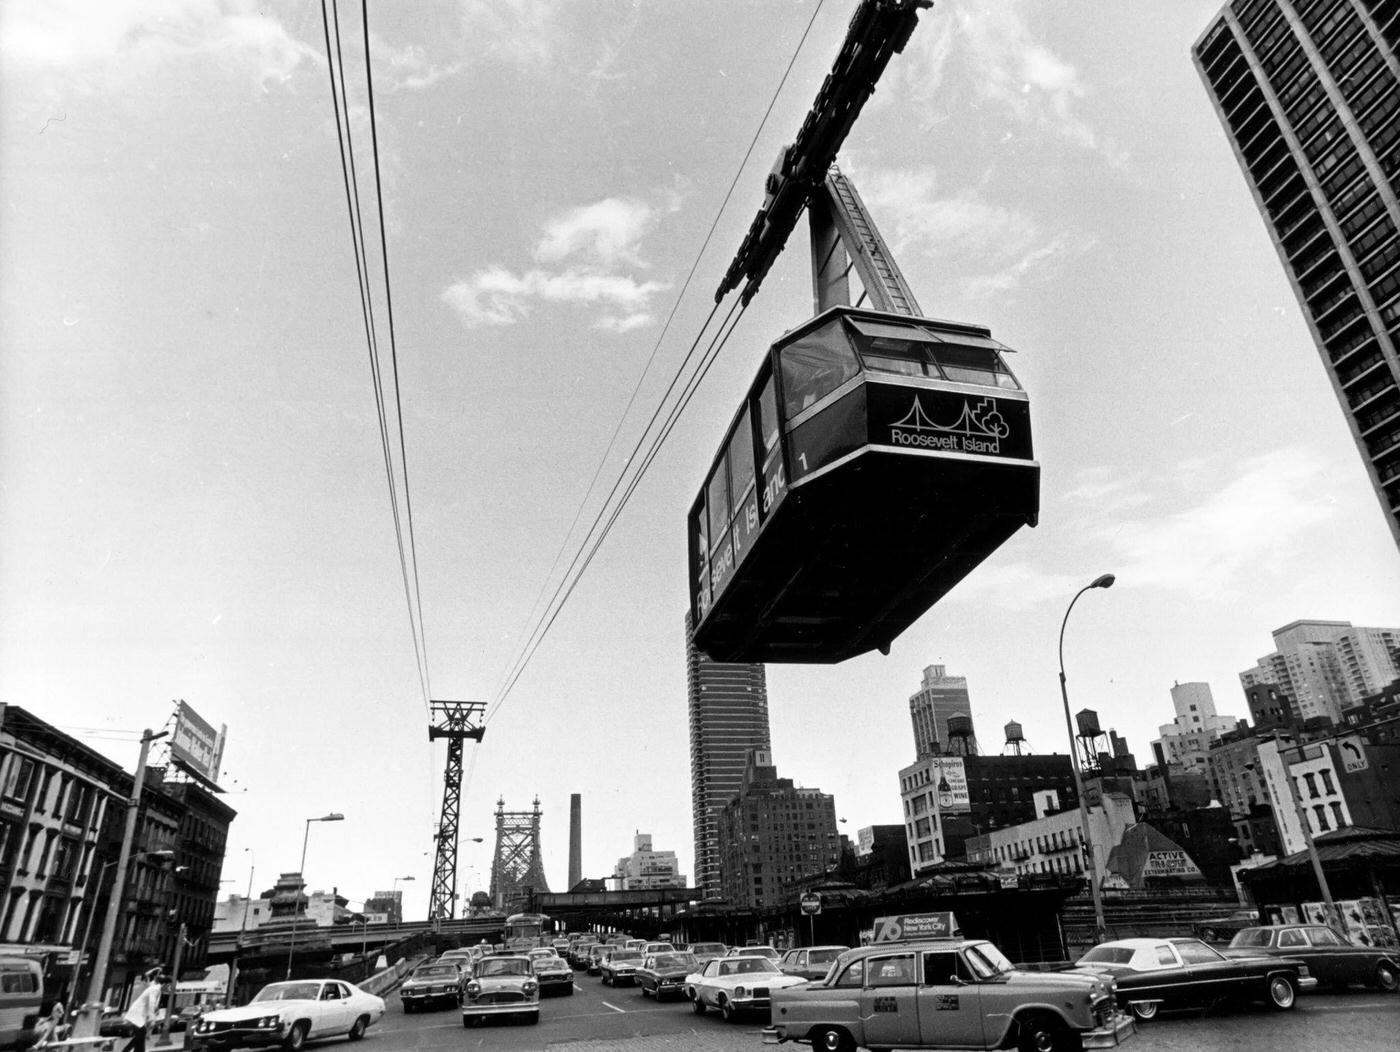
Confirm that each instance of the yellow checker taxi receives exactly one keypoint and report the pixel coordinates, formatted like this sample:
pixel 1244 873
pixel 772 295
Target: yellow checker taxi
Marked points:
pixel 945 993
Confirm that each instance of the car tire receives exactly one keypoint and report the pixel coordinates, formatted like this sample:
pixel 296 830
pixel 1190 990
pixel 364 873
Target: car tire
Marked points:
pixel 1043 1033
pixel 1144 1011
pixel 533 1018
pixel 1283 993
pixel 297 1038
pixel 645 991
pixel 357 1031
pixel 1386 977
pixel 831 1039
pixel 696 1005
pixel 407 1008
pixel 726 1009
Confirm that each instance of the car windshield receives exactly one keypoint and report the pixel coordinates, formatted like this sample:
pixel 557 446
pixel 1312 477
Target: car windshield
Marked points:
pixel 1252 937
pixel 625 955
pixel 675 960
pixel 824 956
pixel 436 972
pixel 504 966
pixel 289 992
pixel 707 947
pixel 748 966
pixel 535 955
pixel 1107 955
pixel 987 961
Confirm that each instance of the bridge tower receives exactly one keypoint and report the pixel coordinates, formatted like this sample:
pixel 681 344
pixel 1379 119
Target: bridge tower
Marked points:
pixel 516 870
pixel 456 721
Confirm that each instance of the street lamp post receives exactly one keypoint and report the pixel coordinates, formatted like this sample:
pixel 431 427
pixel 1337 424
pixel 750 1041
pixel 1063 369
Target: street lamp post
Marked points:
pixel 90 1017
pixel 393 897
pixel 334 816
pixel 1100 928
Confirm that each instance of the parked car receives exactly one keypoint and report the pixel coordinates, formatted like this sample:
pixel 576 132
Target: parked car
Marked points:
pixel 619 966
pixel 291 1013
pixel 553 972
pixel 1186 973
pixel 810 962
pixel 1332 959
pixel 736 984
pixel 959 993
pixel 662 975
pixel 441 982
pixel 502 985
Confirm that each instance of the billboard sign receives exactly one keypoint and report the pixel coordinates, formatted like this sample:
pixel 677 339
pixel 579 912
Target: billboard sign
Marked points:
pixel 1170 864
pixel 952 770
pixel 195 745
pixel 910 926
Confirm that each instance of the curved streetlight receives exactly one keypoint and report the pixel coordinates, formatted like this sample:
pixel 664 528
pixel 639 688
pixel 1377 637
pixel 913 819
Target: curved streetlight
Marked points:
pixel 334 816
pixel 393 896
pixel 1100 928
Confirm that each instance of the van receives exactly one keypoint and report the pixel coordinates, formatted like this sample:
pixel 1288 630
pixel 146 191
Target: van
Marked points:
pixel 21 996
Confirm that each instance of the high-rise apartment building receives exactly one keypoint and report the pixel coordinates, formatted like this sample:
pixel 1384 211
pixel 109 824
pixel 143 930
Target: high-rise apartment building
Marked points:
pixel 939 699
pixel 728 703
pixel 1307 91
pixel 1185 742
pixel 1325 667
pixel 647 868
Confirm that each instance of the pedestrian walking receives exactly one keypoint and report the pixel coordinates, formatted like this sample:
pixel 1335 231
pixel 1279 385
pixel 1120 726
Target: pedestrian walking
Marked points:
pixel 144 1010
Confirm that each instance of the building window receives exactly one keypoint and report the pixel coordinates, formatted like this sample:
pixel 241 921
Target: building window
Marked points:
pixel 1321 813
pixel 1337 814
pixel 1327 786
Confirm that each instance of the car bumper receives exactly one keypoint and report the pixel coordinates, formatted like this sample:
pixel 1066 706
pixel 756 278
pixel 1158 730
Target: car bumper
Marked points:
pixel 670 988
pixel 1111 1034
pixel 500 1008
pixel 555 982
pixel 418 997
pixel 250 1038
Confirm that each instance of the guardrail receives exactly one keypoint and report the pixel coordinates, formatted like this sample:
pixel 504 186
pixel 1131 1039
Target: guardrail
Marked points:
pixel 382 982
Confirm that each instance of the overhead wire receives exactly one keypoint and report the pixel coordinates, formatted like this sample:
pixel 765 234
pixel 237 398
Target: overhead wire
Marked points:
pixel 345 137
pixel 567 583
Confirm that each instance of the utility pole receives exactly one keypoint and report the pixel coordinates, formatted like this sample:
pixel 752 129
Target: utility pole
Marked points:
pixel 164 1040
pixel 90 1016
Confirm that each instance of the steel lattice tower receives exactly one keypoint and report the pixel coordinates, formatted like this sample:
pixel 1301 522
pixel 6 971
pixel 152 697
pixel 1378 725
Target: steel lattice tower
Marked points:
pixel 516 871
pixel 456 721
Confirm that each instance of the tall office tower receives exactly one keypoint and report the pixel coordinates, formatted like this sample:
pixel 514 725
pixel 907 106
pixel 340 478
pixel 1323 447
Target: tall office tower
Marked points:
pixel 1307 91
pixel 939 698
pixel 728 704
pixel 575 840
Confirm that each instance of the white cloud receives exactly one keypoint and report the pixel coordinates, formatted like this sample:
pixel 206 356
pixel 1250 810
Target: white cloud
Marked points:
pixel 131 35
pixel 590 248
pixel 521 32
pixel 986 248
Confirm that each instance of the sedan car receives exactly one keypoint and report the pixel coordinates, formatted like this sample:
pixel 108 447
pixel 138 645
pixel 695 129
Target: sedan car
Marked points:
pixel 810 962
pixel 502 985
pixel 553 972
pixel 289 1014
pixel 431 984
pixel 619 966
pixel 706 951
pixel 756 951
pixel 1186 973
pixel 736 984
pixel 662 975
pixel 1331 959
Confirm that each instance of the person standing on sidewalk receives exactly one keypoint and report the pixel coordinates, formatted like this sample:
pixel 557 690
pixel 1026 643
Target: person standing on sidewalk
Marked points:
pixel 144 1010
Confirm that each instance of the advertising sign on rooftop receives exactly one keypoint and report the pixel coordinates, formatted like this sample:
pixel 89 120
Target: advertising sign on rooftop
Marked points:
pixel 909 926
pixel 195 745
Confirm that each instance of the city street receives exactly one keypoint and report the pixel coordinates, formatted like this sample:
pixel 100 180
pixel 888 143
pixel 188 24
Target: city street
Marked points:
pixel 602 1019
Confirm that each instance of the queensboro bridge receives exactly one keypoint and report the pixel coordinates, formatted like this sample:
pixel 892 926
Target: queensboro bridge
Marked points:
pixel 516 871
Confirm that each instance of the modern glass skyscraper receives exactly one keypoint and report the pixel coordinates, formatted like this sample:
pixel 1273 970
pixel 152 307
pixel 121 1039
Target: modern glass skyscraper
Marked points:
pixel 728 716
pixel 1307 91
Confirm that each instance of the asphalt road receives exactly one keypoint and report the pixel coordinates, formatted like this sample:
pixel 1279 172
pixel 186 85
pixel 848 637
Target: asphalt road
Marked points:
pixel 605 1019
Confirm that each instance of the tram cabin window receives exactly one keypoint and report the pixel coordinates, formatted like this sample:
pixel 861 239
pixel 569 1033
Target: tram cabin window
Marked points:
pixel 968 364
pixel 887 348
pixel 814 366
pixel 768 416
pixel 740 457
pixel 717 506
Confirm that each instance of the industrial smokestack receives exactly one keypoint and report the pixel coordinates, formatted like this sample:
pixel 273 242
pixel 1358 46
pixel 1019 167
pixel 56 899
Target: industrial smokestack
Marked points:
pixel 575 840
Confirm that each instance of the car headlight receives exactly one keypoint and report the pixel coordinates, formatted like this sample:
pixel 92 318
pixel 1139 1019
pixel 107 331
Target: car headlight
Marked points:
pixel 529 986
pixel 270 1021
pixel 739 991
pixel 473 988
pixel 204 1027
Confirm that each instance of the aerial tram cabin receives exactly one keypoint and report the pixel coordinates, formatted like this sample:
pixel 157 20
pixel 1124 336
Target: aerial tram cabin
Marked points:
pixel 876 460
pixel 879 455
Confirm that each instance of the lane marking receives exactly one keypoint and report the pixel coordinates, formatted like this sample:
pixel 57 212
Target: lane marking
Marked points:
pixel 613 1007
pixel 1349 1006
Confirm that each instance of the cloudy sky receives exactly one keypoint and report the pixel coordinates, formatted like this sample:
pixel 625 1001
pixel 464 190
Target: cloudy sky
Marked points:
pixel 195 502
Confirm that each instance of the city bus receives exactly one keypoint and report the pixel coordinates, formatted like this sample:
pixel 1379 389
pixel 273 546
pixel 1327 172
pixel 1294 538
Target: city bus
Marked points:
pixel 525 931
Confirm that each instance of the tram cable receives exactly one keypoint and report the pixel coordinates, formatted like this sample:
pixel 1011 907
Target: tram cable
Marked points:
pixel 345 138
pixel 566 585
